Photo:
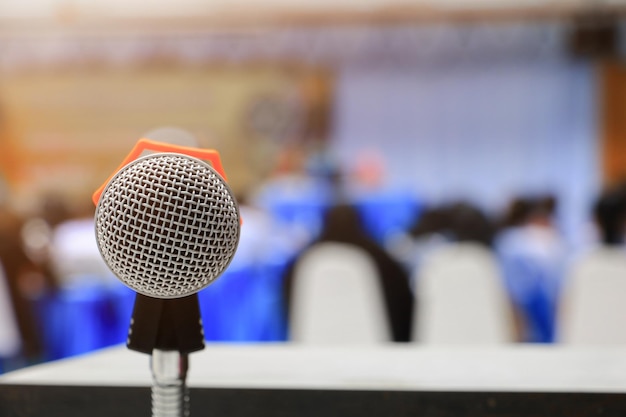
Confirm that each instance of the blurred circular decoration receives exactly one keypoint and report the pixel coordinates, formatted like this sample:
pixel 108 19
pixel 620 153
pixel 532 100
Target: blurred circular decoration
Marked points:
pixel 278 117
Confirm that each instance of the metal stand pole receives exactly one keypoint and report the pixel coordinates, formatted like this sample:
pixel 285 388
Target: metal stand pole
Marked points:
pixel 170 397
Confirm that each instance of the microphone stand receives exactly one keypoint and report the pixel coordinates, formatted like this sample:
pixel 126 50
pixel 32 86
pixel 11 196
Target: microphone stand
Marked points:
pixel 170 396
pixel 168 330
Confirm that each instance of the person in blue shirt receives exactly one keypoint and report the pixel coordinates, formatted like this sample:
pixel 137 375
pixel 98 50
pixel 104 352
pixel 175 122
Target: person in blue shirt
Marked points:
pixel 532 257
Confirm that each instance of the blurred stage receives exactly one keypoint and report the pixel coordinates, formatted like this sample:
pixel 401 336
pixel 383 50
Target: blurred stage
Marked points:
pixel 280 380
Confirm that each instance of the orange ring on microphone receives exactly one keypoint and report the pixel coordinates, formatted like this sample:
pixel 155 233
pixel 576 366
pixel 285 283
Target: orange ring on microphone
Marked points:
pixel 144 144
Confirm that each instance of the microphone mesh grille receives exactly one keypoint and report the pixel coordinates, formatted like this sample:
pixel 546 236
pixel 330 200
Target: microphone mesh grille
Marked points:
pixel 167 225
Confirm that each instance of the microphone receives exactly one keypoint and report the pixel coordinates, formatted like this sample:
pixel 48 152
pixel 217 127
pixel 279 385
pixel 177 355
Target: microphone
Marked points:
pixel 167 225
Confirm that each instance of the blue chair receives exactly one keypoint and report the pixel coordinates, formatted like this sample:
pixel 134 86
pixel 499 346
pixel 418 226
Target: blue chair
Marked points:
pixel 72 321
pixel 222 305
pixel 122 301
pixel 533 279
pixel 83 317
pixel 526 282
pixel 245 305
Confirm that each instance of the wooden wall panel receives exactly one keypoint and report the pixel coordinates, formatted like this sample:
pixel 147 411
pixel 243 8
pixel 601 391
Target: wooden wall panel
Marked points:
pixel 67 130
pixel 613 121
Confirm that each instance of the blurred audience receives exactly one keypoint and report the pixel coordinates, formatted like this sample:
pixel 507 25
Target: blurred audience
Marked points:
pixel 460 221
pixel 343 224
pixel 60 238
pixel 264 238
pixel 74 254
pixel 307 200
pixel 25 282
pixel 294 196
pixel 434 226
pixel 609 215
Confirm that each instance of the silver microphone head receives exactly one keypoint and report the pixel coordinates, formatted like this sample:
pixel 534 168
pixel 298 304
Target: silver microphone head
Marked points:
pixel 167 225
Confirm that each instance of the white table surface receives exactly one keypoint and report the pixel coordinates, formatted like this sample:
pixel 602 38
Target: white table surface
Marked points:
pixel 389 367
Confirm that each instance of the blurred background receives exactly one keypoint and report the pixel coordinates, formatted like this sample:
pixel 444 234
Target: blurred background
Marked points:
pixel 466 140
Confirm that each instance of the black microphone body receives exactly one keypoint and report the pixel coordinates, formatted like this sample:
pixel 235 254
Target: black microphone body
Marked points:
pixel 166 325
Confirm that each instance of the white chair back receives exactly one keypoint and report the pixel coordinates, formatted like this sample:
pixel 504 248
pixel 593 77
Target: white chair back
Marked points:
pixel 75 254
pixel 337 298
pixel 593 310
pixel 10 338
pixel 461 298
